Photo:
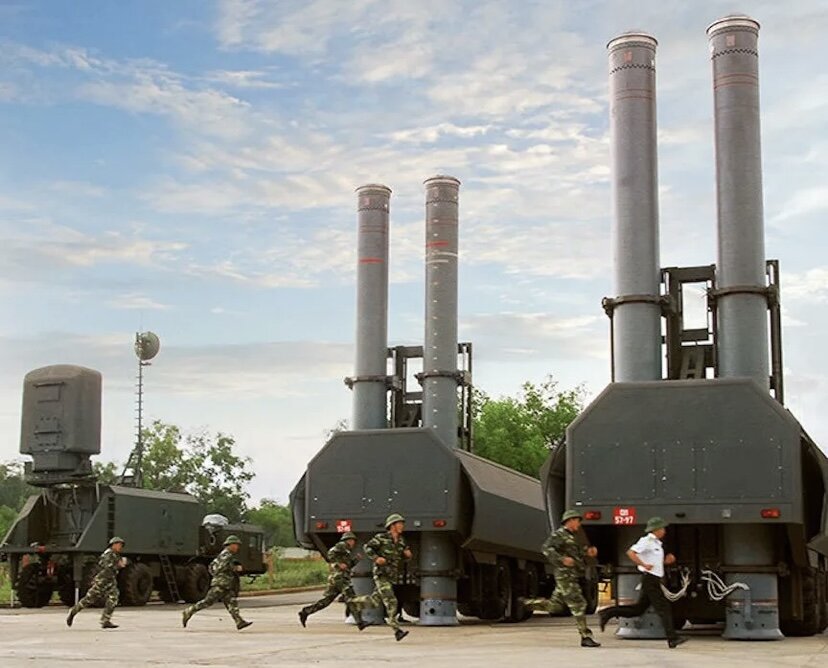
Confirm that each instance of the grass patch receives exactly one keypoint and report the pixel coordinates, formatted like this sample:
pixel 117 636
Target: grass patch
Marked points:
pixel 290 573
pixel 5 584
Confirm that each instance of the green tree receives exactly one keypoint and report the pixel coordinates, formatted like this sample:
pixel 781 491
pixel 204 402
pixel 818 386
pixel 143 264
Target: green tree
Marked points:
pixel 519 431
pixel 13 488
pixel 277 522
pixel 13 494
pixel 204 465
pixel 106 473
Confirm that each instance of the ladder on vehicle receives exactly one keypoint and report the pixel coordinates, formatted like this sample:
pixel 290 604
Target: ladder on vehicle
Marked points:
pixel 169 576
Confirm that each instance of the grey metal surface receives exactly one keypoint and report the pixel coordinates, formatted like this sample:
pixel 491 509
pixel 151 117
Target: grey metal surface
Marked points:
pixel 743 319
pixel 61 421
pixel 438 556
pixel 752 614
pixel 700 451
pixel 350 479
pixel 499 492
pixel 440 346
pixel 636 324
pixel 362 476
pixel 369 384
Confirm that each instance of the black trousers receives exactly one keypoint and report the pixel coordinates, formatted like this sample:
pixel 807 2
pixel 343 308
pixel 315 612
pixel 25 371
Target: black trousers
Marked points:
pixel 651 595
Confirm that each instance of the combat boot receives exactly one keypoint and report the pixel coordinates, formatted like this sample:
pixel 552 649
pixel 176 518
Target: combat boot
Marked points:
pixel 675 642
pixel 399 634
pixel 242 624
pixel 108 625
pixel 357 615
pixel 71 616
pixel 587 641
pixel 303 617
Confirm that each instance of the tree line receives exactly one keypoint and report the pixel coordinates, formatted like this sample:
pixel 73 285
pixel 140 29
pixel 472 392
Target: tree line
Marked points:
pixel 514 431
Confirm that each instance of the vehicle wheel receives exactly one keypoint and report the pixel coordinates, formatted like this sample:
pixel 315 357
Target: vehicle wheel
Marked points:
pixel 809 624
pixel 31 587
pixel 194 583
pixel 66 586
pixel 411 608
pixel 532 581
pixel 498 598
pixel 135 584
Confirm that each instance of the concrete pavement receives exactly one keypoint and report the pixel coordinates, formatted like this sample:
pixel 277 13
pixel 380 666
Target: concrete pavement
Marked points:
pixel 153 636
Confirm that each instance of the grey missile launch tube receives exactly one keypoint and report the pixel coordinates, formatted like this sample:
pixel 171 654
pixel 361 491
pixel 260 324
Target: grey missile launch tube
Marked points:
pixel 438 556
pixel 369 380
pixel 440 350
pixel 637 313
pixel 742 314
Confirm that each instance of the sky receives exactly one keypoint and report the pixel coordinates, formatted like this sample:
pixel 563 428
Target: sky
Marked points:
pixel 189 168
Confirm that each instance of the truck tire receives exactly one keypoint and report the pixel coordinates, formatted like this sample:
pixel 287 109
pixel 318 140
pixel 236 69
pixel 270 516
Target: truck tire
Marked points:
pixel 66 586
pixel 135 584
pixel 810 623
pixel 194 583
pixel 822 600
pixel 498 592
pixel 31 588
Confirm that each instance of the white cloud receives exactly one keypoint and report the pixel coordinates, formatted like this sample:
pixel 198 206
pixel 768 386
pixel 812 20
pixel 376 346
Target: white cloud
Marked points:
pixel 135 301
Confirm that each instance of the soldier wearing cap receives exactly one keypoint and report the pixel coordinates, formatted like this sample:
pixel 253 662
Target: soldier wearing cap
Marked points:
pixel 104 589
pixel 567 556
pixel 648 555
pixel 223 570
pixel 389 551
pixel 341 559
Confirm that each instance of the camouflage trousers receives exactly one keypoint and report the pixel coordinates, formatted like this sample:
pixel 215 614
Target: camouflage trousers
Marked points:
pixel 339 582
pixel 567 595
pixel 383 595
pixel 215 594
pixel 100 593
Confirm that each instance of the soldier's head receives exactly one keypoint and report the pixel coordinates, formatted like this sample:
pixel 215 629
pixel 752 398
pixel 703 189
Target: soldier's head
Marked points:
pixel 350 539
pixel 571 519
pixel 657 526
pixel 395 523
pixel 116 543
pixel 232 543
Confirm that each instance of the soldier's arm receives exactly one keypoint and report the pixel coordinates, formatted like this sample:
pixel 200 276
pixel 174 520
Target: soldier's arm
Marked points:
pixel 338 555
pixel 371 548
pixel 406 549
pixel 554 551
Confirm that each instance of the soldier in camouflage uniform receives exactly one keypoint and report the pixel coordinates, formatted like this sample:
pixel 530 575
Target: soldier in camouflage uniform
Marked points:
pixel 388 551
pixel 567 558
pixel 341 559
pixel 104 589
pixel 222 586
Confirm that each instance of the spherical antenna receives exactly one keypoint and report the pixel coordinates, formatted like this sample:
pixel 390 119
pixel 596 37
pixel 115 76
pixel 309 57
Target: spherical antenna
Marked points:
pixel 147 345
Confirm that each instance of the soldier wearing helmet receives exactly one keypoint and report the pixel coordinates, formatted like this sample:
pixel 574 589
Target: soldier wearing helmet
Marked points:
pixel 567 556
pixel 104 589
pixel 389 551
pixel 223 569
pixel 341 559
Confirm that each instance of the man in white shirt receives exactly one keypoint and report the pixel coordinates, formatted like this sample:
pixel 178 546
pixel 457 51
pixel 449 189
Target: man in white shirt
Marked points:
pixel 648 555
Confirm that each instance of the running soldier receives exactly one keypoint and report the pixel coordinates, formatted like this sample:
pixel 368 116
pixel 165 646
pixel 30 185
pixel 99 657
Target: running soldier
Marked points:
pixel 388 551
pixel 104 589
pixel 224 569
pixel 567 558
pixel 341 559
